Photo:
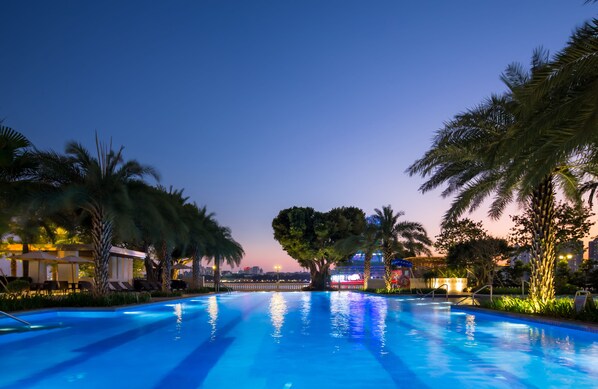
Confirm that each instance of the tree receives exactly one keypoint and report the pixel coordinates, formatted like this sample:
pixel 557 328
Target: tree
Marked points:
pixel 573 224
pixel 96 188
pixel 398 239
pixel 224 249
pixel 560 102
pixel 202 235
pixel 458 231
pixel 312 237
pixel 473 154
pixel 481 255
pixel 368 243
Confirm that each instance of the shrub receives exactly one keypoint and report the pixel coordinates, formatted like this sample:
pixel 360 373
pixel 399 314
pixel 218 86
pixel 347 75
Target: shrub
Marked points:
pixel 8 303
pixel 562 308
pixel 159 293
pixel 17 287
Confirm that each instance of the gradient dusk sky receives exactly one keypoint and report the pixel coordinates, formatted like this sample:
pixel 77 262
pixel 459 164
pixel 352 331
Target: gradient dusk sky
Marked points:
pixel 256 106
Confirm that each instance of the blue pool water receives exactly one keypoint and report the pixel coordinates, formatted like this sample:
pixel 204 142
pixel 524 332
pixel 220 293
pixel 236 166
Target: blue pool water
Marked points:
pixel 293 340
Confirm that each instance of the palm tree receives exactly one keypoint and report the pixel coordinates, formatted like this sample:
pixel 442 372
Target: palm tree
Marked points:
pixel 97 188
pixel 16 167
pixel 203 229
pixel 175 233
pixel 398 238
pixel 561 101
pixel 368 243
pixel 473 155
pixel 226 249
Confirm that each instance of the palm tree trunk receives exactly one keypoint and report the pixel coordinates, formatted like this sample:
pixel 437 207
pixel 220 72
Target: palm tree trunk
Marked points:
pixel 13 267
pixel 367 270
pixel 101 238
pixel 541 288
pixel 217 274
pixel 388 269
pixel 195 264
pixel 25 250
pixel 166 256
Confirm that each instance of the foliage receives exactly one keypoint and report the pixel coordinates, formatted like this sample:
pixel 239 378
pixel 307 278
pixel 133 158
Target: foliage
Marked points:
pixel 159 293
pixel 9 304
pixel 17 287
pixel 96 188
pixel 562 308
pixel 511 275
pixel 458 231
pixel 399 239
pixel 573 224
pixel 311 237
pixel 503 290
pixel 479 154
pixel 479 255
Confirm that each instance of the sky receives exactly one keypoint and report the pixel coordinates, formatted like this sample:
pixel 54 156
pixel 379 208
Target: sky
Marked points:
pixel 257 106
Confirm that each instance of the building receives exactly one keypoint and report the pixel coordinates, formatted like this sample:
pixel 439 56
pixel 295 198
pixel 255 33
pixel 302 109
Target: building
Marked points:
pixel 120 265
pixel 593 250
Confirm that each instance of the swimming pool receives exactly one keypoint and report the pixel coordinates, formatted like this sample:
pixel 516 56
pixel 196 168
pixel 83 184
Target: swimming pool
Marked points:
pixel 293 340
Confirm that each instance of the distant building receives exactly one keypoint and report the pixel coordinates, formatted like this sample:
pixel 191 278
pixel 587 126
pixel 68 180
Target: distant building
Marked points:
pixel 593 250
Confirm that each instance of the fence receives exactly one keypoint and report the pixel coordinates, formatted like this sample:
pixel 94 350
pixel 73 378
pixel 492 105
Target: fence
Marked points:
pixel 271 286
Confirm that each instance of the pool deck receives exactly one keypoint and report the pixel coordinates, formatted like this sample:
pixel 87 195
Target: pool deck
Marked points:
pixel 573 324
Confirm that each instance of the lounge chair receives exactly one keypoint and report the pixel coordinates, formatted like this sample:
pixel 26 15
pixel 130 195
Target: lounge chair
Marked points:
pixel 126 286
pixel 85 286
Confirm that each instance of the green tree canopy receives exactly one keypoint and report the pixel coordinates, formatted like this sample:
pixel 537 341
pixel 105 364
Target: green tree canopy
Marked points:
pixel 312 237
pixel 458 231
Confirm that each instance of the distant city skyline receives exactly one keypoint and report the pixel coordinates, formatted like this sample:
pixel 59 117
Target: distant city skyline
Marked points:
pixel 255 107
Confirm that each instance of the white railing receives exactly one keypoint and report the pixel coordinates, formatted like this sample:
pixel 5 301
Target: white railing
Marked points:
pixel 437 289
pixel 282 286
pixel 259 286
pixel 472 297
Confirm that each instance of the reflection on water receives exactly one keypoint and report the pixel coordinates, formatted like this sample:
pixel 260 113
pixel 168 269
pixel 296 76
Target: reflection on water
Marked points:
pixel 339 314
pixel 178 312
pixel 470 328
pixel 379 313
pixel 213 315
pixel 278 308
pixel 305 309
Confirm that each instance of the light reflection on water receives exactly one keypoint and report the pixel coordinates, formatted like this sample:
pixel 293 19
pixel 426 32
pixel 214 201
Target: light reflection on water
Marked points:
pixel 213 315
pixel 278 309
pixel 339 315
pixel 379 313
pixel 178 312
pixel 305 310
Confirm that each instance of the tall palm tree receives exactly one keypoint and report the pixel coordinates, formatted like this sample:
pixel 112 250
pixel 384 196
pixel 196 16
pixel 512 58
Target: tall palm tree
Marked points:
pixel 561 100
pixel 224 249
pixel 176 232
pixel 368 243
pixel 96 187
pixel 203 229
pixel 473 156
pixel 16 167
pixel 398 238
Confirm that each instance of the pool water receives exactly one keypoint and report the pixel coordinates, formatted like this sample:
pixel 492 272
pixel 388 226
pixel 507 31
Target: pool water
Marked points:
pixel 293 340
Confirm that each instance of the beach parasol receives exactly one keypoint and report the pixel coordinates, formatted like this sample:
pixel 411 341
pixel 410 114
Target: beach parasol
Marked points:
pixel 73 260
pixel 41 256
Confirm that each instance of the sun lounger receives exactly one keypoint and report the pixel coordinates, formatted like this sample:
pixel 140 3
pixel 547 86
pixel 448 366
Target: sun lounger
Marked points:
pixel 126 286
pixel 85 286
